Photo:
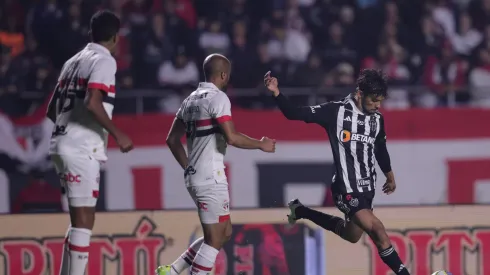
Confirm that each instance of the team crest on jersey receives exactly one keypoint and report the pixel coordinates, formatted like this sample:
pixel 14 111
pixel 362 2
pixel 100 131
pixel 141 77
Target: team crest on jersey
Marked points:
pixel 373 125
pixel 354 202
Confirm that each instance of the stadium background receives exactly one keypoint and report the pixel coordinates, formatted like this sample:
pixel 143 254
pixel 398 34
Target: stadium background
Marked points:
pixel 437 57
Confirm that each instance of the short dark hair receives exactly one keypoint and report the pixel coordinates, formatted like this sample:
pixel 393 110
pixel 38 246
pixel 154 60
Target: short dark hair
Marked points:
pixel 104 25
pixel 372 82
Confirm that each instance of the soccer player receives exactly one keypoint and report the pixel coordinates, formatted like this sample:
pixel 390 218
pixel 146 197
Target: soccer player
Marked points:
pixel 81 108
pixel 356 132
pixel 205 119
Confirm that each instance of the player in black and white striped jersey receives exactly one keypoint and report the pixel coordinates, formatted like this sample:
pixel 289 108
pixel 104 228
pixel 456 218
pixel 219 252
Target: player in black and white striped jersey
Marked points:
pixel 356 132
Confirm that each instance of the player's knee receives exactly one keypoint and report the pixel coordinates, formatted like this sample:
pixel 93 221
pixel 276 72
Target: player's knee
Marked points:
pixel 379 236
pixel 82 217
pixel 353 238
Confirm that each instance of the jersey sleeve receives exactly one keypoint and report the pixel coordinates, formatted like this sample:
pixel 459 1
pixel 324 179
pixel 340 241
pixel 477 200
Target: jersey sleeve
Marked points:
pixel 220 108
pixel 310 114
pixel 103 76
pixel 381 151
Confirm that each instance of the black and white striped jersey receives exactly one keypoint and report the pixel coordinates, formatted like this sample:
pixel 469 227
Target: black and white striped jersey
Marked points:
pixel 358 141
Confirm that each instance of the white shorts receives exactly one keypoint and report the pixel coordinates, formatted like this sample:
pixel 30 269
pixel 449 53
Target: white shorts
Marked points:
pixel 79 175
pixel 212 201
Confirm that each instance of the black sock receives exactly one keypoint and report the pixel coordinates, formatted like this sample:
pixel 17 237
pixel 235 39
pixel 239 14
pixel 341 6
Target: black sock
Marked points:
pixel 391 259
pixel 328 222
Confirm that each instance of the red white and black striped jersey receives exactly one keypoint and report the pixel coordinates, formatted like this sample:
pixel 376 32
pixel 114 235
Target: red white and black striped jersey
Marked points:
pixel 75 130
pixel 202 112
pixel 358 141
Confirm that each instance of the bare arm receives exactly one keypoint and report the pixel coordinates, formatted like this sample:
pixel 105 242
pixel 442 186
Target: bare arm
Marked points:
pixel 237 139
pixel 93 102
pixel 174 137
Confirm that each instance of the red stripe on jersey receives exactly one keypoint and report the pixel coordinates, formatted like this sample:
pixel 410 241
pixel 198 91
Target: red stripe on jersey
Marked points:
pixel 100 86
pixel 223 119
pixel 204 122
pixel 147 186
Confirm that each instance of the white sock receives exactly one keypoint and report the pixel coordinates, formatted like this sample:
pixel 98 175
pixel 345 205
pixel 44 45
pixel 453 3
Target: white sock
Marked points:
pixel 186 259
pixel 65 259
pixel 204 261
pixel 78 246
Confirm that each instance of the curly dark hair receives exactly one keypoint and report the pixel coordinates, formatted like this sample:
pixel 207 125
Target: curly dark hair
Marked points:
pixel 372 82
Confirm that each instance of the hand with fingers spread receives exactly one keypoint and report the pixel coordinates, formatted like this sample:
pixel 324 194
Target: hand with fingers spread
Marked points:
pixel 268 145
pixel 271 83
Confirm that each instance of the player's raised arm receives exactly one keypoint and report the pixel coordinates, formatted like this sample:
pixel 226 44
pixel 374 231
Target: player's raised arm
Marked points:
pixel 310 114
pixel 100 89
pixel 220 110
pixel 174 142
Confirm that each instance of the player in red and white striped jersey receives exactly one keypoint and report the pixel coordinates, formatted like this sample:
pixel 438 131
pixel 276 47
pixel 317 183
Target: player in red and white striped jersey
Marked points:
pixel 81 108
pixel 205 118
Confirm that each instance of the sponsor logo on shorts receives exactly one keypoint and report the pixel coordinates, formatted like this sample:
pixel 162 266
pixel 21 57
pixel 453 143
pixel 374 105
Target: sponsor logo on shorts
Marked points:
pixel 202 206
pixel 364 182
pixel 70 178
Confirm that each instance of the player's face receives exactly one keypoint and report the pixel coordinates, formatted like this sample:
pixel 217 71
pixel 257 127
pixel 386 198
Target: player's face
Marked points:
pixel 371 103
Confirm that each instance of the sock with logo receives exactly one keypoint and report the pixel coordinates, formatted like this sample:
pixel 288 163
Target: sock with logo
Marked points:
pixel 391 259
pixel 78 247
pixel 328 222
pixel 204 261
pixel 65 259
pixel 186 259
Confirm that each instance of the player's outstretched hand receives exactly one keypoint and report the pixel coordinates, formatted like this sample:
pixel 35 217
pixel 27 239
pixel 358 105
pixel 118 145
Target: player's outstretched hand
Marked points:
pixel 268 145
pixel 271 83
pixel 124 142
pixel 389 187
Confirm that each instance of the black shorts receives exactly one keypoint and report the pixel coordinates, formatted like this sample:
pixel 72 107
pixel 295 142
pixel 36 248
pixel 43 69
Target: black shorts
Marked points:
pixel 350 204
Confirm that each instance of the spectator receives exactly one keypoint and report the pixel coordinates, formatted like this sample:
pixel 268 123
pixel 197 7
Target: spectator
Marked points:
pixel 480 80
pixel 242 58
pixel 467 38
pixel 214 39
pixel 336 51
pixel 158 48
pixel 445 75
pixel 311 73
pixel 75 34
pixel 178 72
pixel 11 36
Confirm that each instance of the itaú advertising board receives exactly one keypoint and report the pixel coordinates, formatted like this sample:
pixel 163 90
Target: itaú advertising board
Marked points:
pixel 456 239
pixel 437 156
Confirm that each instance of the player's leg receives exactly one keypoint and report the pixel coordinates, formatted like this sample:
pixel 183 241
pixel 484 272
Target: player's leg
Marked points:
pixel 79 177
pixel 212 202
pixel 366 219
pixel 346 229
pixel 214 214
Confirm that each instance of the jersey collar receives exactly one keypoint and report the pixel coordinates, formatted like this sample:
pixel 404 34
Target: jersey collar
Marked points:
pixel 98 48
pixel 354 105
pixel 207 85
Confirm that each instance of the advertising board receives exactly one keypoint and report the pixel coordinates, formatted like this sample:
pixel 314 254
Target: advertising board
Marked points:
pixel 436 155
pixel 456 239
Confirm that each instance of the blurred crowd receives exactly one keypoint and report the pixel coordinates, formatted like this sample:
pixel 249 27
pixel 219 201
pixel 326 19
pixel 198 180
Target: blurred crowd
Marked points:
pixel 441 46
